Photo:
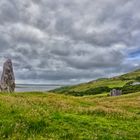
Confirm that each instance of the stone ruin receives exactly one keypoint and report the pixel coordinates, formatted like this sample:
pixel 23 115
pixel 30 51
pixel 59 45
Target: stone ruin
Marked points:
pixel 7 83
pixel 115 92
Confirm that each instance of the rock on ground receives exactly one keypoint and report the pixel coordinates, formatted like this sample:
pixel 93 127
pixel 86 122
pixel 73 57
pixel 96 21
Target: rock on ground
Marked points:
pixel 115 92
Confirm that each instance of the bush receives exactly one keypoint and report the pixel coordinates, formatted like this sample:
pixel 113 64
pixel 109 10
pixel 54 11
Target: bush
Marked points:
pixel 98 90
pixel 138 78
pixel 130 88
pixel 92 91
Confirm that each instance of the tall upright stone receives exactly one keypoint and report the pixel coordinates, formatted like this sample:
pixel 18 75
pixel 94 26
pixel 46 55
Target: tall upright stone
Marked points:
pixel 7 78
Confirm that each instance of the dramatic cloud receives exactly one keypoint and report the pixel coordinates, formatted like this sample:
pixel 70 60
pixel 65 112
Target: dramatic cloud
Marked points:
pixel 55 41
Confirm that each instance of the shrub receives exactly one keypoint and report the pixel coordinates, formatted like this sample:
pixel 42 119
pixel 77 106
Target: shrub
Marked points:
pixel 138 78
pixel 92 91
pixel 130 88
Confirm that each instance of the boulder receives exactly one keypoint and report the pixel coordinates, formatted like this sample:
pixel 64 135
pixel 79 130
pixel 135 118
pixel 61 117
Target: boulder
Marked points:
pixel 7 78
pixel 115 92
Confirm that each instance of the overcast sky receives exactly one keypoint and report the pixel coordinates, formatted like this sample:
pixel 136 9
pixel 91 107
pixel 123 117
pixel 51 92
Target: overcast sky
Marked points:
pixel 69 41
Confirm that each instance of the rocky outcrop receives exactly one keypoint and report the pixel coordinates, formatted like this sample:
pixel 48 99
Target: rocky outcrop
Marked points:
pixel 7 79
pixel 115 92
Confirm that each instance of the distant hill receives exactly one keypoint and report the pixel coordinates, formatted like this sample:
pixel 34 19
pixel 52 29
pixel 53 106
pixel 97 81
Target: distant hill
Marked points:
pixel 102 85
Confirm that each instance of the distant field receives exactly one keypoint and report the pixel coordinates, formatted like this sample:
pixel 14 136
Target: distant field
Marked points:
pixel 41 116
pixel 106 84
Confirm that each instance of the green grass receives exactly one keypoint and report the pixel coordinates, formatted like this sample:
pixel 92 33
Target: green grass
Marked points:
pixel 41 116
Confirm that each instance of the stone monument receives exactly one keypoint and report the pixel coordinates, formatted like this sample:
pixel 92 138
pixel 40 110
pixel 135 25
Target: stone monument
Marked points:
pixel 7 79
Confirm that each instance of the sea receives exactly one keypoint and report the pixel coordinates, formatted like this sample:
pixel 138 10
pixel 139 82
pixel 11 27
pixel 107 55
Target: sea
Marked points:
pixel 35 87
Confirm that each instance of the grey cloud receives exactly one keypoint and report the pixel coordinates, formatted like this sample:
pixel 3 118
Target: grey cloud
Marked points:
pixel 8 12
pixel 99 58
pixel 77 40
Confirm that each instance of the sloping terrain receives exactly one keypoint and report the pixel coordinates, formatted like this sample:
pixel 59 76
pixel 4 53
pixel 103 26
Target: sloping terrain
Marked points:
pixel 103 85
pixel 41 116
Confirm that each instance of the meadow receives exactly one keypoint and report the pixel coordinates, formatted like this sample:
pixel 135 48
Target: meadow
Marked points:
pixel 41 116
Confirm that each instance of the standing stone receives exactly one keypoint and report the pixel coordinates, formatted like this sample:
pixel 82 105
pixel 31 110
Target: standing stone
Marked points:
pixel 7 78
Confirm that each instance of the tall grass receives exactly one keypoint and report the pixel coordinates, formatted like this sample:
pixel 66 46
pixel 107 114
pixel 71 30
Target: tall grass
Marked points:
pixel 41 116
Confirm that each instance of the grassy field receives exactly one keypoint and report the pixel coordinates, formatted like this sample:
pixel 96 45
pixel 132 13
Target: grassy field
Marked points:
pixel 41 116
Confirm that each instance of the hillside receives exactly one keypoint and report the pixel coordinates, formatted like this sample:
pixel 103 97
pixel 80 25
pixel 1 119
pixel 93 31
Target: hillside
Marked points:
pixel 41 116
pixel 103 85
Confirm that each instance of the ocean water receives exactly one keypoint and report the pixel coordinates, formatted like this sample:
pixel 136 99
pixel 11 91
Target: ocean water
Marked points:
pixel 35 87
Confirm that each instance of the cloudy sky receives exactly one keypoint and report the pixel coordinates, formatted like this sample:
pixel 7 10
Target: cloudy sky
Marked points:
pixel 69 41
